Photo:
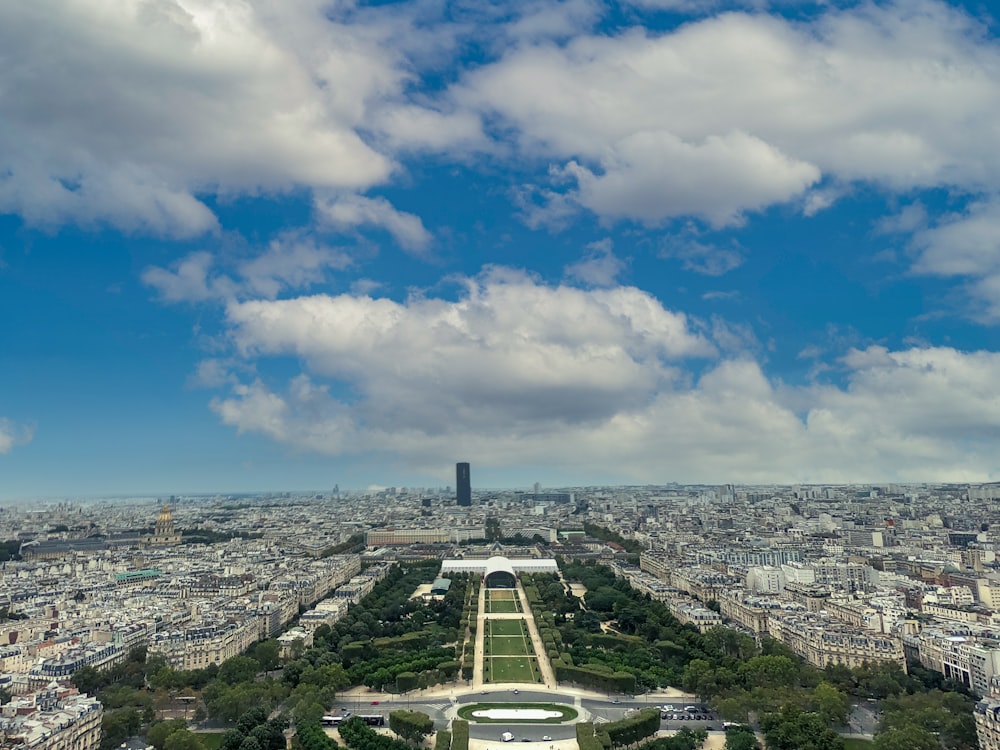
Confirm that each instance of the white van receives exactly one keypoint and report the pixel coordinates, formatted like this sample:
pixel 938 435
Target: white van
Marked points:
pixel 506 737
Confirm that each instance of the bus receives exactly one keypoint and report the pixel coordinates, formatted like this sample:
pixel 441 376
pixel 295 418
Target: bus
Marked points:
pixel 373 720
pixel 332 721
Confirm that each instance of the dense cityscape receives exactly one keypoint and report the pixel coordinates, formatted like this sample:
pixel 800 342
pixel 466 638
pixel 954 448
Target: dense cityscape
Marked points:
pixel 899 579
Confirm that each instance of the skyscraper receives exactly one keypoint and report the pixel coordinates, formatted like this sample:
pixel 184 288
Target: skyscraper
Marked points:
pixel 463 484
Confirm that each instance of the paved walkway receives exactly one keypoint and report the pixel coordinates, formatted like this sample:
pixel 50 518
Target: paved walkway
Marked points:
pixel 478 668
pixel 544 665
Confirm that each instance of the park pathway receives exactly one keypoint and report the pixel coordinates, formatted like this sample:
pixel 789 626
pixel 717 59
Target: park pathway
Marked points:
pixel 478 670
pixel 544 665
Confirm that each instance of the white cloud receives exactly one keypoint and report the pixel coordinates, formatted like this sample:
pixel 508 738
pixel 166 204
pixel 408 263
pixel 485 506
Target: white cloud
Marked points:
pixel 12 435
pixel 701 257
pixel 293 261
pixel 749 110
pixel 187 280
pixel 516 373
pixel 351 211
pixel 290 262
pixel 126 112
pixel 599 266
pixel 655 176
pixel 967 244
pixel 508 351
pixel 909 218
pixel 919 414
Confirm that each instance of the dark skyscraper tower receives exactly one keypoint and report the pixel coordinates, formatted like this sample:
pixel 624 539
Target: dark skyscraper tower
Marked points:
pixel 463 484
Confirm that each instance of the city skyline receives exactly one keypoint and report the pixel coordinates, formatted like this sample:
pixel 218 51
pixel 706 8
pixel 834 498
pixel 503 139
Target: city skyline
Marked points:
pixel 256 247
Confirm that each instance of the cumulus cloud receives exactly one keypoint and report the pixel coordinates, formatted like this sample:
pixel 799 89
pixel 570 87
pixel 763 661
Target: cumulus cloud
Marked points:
pixel 351 211
pixel 509 351
pixel 291 262
pixel 740 111
pixel 599 266
pixel 12 435
pixel 126 113
pixel 702 257
pixel 602 382
pixel 966 245
pixel 903 415
pixel 655 176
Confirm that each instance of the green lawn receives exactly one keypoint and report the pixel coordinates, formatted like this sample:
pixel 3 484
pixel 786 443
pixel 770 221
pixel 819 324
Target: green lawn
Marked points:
pixel 853 743
pixel 503 607
pixel 512 669
pixel 211 740
pixel 507 627
pixel 509 645
pixel 501 595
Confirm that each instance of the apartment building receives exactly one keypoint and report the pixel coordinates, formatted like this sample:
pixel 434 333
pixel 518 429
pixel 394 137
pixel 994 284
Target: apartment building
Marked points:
pixel 54 718
pixel 198 646
pixel 820 640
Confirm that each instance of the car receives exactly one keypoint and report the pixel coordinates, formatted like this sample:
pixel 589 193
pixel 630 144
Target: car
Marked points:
pixel 616 701
pixel 669 707
pixel 690 709
pixel 374 703
pixel 546 738
pixel 516 691
pixel 506 737
pixel 682 717
pixel 525 739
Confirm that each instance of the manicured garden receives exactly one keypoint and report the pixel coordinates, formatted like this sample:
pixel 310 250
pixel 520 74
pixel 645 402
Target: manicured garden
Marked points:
pixel 502 601
pixel 511 669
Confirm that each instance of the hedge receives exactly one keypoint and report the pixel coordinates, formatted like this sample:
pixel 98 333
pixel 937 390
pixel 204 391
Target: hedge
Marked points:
pixel 459 734
pixel 637 727
pixel 585 737
pixel 616 682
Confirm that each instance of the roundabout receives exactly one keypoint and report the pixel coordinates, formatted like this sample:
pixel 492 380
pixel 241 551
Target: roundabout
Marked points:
pixel 518 713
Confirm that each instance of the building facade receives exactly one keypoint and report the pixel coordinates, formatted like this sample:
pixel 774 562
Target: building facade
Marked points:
pixel 463 484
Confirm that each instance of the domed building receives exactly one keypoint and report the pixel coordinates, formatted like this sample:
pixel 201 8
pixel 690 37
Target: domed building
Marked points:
pixel 164 534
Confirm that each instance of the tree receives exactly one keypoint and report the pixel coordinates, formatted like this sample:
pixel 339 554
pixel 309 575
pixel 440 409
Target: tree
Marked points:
pixel 231 740
pixel 183 739
pixel 252 718
pixel 907 738
pixel 741 737
pixel 794 729
pixel 266 654
pixel 239 669
pixel 832 704
pixel 158 733
pixel 770 671
pixel 88 680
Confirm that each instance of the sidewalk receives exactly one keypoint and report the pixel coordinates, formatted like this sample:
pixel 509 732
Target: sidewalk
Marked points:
pixel 544 665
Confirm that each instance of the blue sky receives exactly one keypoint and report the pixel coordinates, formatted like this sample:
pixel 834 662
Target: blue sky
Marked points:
pixel 252 245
